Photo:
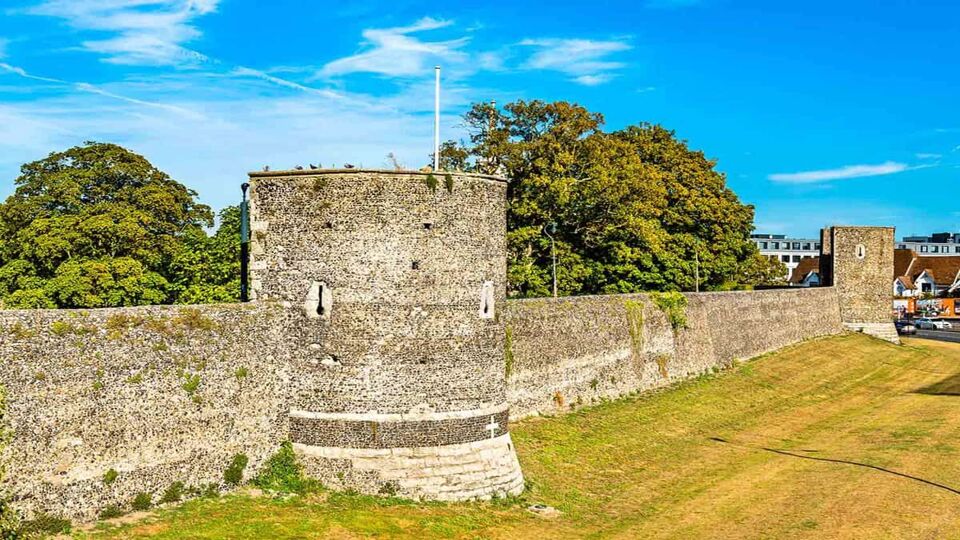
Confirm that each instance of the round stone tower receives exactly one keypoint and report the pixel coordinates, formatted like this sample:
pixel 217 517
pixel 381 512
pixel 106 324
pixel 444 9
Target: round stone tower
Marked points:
pixel 398 350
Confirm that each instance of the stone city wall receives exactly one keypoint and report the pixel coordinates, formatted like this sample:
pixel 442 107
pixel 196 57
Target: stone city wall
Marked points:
pixel 566 352
pixel 157 394
pixel 166 393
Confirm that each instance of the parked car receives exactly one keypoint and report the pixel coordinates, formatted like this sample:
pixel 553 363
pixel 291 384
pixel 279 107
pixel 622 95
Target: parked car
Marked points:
pixel 926 323
pixel 905 328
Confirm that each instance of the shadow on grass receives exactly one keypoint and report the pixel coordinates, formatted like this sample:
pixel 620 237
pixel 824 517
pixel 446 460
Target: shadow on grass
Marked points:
pixel 947 387
pixel 842 462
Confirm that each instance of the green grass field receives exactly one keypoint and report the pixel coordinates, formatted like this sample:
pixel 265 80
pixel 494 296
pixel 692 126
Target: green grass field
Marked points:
pixel 846 437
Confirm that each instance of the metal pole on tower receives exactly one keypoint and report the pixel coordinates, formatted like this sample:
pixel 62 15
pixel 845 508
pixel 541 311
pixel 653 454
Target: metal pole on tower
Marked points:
pixel 436 121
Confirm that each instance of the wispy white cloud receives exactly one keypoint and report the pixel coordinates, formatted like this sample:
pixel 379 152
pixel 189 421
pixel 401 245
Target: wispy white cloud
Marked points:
pixel 141 32
pixel 398 53
pixel 646 89
pixel 19 71
pixel 927 155
pixel 246 123
pixel 89 88
pixel 842 173
pixel 584 60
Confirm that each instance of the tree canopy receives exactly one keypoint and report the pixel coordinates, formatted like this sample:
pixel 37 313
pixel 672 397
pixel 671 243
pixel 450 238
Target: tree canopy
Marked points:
pixel 99 226
pixel 634 209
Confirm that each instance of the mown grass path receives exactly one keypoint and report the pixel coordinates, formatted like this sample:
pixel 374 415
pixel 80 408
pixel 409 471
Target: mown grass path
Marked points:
pixel 846 437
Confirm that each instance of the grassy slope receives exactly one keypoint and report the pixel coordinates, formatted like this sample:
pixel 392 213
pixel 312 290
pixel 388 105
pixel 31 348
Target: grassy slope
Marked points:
pixel 650 467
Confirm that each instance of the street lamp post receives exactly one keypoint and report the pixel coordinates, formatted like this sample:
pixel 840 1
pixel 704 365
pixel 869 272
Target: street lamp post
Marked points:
pixel 244 245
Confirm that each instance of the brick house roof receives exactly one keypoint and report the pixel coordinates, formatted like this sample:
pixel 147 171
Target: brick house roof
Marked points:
pixel 908 266
pixel 901 261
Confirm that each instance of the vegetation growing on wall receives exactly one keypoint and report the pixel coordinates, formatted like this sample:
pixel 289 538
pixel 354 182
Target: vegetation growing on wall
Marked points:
pixel 634 311
pixel 431 182
pixel 674 305
pixel 233 475
pixel 283 473
pixel 632 208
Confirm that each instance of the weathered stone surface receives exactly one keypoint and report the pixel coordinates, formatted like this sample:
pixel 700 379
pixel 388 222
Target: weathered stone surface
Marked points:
pixel 475 470
pixel 159 394
pixel 573 351
pixel 413 267
pixel 860 267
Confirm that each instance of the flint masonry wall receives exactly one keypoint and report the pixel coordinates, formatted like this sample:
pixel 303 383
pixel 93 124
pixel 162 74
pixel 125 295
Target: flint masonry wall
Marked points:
pixel 400 276
pixel 568 352
pixel 859 266
pixel 158 394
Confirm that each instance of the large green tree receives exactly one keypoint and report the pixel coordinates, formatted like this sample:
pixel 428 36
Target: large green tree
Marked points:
pixel 98 226
pixel 634 209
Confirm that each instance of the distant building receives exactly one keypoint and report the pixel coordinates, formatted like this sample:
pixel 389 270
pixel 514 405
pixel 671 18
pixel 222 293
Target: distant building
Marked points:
pixel 789 251
pixel 807 273
pixel 918 275
pixel 935 245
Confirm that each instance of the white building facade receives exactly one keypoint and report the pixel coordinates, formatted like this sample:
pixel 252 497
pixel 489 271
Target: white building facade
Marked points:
pixel 935 245
pixel 789 251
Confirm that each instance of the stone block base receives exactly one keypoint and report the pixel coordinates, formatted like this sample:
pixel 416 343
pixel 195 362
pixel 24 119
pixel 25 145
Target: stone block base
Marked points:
pixel 475 470
pixel 885 331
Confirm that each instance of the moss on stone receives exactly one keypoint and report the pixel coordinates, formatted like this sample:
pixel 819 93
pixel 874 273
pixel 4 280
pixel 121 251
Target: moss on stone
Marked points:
pixel 662 360
pixel 191 383
pixel 65 328
pixel 194 319
pixel 110 477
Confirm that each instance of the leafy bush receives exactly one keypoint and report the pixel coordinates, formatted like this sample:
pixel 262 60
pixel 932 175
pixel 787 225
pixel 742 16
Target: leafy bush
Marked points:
pixel 110 512
pixel 41 526
pixel 233 475
pixel 143 501
pixel 283 473
pixel 173 493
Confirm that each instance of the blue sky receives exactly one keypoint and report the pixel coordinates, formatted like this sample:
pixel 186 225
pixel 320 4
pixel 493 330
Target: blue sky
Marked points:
pixel 818 112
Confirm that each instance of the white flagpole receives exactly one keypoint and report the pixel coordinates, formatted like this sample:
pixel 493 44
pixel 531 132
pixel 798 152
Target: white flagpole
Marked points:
pixel 436 121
